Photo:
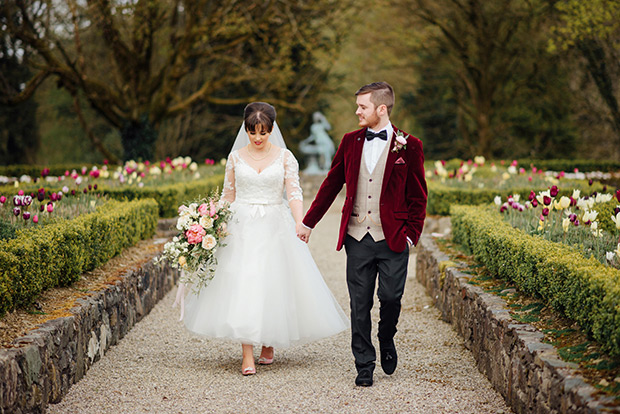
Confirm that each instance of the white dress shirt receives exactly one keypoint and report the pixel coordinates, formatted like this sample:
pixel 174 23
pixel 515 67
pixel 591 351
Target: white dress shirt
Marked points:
pixel 373 149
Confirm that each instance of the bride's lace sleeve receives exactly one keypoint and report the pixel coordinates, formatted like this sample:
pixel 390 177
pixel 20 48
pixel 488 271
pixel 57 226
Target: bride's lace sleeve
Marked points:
pixel 229 190
pixel 291 177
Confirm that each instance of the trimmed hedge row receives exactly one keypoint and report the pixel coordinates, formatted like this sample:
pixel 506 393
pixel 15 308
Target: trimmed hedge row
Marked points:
pixel 168 197
pixel 441 196
pixel 582 289
pixel 552 164
pixel 56 254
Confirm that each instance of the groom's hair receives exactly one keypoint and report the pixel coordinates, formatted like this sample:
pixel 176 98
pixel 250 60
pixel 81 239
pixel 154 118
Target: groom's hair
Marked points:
pixel 259 116
pixel 381 93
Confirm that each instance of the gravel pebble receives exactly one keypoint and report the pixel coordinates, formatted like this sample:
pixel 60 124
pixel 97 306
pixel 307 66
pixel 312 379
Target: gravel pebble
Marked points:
pixel 160 367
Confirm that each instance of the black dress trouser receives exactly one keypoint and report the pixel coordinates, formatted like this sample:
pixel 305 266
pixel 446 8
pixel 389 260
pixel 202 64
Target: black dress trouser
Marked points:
pixel 365 260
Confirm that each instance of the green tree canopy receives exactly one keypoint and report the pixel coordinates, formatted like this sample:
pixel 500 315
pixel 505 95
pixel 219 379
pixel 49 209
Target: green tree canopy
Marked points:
pixel 139 63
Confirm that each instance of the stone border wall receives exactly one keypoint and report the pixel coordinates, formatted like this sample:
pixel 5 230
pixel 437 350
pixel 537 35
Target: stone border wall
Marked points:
pixel 527 372
pixel 57 354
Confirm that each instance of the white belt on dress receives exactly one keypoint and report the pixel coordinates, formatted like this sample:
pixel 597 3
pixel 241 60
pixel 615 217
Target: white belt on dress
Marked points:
pixel 257 208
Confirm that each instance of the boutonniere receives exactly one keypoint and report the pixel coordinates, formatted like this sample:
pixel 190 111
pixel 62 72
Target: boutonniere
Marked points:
pixel 400 142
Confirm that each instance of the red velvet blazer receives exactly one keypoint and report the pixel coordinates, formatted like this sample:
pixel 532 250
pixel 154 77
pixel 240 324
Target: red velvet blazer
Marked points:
pixel 403 193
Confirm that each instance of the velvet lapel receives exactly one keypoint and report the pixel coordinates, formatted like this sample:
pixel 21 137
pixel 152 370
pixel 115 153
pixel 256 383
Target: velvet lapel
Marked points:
pixel 358 146
pixel 389 164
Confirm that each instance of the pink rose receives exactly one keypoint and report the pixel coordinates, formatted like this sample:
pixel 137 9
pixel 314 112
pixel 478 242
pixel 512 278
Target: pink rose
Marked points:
pixel 401 140
pixel 203 210
pixel 195 234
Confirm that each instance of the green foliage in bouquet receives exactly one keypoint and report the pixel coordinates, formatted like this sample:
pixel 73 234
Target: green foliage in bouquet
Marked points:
pixel 442 196
pixel 202 224
pixel 55 255
pixel 581 288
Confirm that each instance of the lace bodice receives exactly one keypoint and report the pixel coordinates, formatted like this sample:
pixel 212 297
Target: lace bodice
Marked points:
pixel 243 183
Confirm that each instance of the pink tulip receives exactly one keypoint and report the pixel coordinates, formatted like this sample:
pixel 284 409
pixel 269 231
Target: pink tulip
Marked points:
pixel 529 178
pixel 2 199
pixel 67 173
pixel 50 207
pixel 105 162
pixel 20 192
pixel 35 219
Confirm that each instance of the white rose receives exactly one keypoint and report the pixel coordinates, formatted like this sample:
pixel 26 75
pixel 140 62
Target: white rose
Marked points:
pixel 208 242
pixel 183 222
pixel 206 222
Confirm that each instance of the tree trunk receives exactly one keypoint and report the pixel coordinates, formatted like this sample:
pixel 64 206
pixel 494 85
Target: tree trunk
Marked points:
pixel 138 139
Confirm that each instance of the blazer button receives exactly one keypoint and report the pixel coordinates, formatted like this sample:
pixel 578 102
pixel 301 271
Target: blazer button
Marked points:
pixel 367 228
pixel 369 196
pixel 369 211
pixel 370 181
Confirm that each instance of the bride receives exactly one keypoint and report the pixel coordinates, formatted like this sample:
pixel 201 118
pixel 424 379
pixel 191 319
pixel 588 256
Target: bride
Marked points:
pixel 267 291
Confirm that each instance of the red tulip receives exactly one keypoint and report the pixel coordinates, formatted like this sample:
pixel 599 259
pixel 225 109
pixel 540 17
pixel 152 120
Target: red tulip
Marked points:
pixel 553 191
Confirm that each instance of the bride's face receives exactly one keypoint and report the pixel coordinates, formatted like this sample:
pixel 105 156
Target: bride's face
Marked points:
pixel 259 138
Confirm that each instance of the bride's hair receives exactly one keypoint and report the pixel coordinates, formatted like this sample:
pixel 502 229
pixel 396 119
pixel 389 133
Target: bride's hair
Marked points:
pixel 259 116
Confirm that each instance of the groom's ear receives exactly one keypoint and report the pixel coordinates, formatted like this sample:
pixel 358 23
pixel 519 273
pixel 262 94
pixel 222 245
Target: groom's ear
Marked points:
pixel 382 110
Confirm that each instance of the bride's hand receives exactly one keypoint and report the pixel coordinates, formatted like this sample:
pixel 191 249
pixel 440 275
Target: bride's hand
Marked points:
pixel 303 232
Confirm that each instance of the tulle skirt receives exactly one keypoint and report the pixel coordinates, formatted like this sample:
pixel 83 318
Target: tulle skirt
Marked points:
pixel 267 289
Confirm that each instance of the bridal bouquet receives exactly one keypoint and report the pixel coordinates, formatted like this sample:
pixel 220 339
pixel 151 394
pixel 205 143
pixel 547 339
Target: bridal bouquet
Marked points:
pixel 202 225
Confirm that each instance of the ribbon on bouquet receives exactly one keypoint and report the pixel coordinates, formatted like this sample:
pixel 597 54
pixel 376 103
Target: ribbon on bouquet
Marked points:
pixel 180 299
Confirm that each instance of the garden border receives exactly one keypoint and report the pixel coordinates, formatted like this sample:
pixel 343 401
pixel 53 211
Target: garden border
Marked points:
pixel 527 372
pixel 59 352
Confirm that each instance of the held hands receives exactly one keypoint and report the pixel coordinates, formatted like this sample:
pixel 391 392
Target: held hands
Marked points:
pixel 303 232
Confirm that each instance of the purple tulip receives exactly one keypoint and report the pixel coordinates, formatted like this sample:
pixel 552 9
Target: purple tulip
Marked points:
pixel 576 222
pixel 85 190
pixel 616 210
pixel 503 208
pixel 42 207
pixel 618 195
pixel 534 203
pixel 546 200
pixel 41 196
pixel 545 211
pixel 72 192
pixel 573 217
pixel 27 200
pixel 604 188
pixel 16 211
pixel 95 186
pixel 590 182
pixel 26 215
pixel 573 202
pixel 553 191
pixel 532 195
pixel 17 201
pixel 90 187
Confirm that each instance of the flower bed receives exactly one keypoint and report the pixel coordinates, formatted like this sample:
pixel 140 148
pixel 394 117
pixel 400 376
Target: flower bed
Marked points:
pixel 582 289
pixel 55 255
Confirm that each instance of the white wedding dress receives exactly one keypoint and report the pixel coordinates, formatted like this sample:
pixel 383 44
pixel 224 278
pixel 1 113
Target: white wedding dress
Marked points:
pixel 267 289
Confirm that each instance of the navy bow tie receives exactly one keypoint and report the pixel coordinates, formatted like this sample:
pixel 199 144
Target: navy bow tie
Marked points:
pixel 372 135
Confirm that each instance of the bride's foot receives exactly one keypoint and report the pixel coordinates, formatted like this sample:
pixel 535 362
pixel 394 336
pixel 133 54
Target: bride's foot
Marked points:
pixel 247 365
pixel 266 356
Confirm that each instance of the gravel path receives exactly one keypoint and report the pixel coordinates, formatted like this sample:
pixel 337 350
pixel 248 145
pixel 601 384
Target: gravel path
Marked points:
pixel 161 368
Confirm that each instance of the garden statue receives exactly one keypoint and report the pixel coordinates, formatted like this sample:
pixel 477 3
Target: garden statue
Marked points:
pixel 318 147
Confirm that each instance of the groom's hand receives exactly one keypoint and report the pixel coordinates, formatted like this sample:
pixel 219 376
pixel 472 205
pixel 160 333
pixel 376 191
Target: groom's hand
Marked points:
pixel 303 232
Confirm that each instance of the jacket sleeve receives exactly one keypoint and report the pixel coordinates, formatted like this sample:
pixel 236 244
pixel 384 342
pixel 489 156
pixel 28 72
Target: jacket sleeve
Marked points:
pixel 329 189
pixel 416 190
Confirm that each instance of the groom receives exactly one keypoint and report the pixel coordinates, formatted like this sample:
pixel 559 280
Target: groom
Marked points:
pixel 382 218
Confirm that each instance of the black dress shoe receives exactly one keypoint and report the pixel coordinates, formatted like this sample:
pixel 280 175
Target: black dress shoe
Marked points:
pixel 364 378
pixel 389 359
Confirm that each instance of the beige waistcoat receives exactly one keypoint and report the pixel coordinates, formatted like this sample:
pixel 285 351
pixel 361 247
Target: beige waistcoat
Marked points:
pixel 366 217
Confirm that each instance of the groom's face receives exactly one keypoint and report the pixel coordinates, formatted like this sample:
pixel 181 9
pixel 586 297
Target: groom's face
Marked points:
pixel 366 112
